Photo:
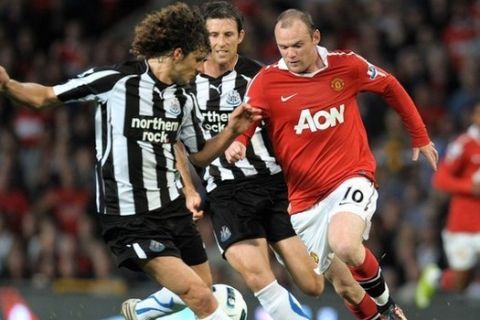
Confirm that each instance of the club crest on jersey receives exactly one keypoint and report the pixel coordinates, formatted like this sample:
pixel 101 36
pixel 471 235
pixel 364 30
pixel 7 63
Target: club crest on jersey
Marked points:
pixel 156 246
pixel 233 98
pixel 225 234
pixel 172 106
pixel 337 84
pixel 314 257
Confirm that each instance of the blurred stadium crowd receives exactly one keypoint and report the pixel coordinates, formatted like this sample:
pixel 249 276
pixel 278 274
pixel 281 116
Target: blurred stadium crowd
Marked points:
pixel 47 206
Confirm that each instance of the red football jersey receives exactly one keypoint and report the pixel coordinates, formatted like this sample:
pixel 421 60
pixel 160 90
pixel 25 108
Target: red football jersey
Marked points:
pixel 455 175
pixel 314 122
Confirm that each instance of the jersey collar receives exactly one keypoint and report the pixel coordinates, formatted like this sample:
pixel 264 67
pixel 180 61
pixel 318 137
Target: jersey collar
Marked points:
pixel 474 132
pixel 322 52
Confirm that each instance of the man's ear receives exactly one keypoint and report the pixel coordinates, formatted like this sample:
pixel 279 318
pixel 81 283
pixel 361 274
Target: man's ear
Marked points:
pixel 316 36
pixel 177 54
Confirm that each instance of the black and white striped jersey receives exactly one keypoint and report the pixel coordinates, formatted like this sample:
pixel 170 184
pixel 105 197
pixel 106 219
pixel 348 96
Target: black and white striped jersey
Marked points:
pixel 137 121
pixel 217 97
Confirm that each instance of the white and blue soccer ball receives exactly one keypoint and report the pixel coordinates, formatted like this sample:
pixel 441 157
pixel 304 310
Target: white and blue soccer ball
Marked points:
pixel 231 301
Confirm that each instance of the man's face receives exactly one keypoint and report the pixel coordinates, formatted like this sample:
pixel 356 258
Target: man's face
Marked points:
pixel 224 40
pixel 297 46
pixel 185 69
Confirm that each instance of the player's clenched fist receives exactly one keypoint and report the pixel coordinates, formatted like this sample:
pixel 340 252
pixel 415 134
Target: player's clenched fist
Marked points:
pixel 243 117
pixel 235 152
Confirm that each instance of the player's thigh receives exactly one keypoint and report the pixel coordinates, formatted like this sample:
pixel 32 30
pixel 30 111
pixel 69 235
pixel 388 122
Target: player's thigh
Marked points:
pixel 353 204
pixel 235 216
pixel 312 228
pixel 204 272
pixel 461 249
pixel 300 264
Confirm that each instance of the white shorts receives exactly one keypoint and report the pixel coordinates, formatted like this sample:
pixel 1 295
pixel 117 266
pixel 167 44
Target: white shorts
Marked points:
pixel 356 195
pixel 461 249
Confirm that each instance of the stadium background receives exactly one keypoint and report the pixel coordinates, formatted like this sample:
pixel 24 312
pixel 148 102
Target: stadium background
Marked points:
pixel 51 256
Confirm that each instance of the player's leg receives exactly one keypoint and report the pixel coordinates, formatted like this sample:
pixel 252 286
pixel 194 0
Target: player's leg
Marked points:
pixel 357 301
pixel 237 212
pixel 300 265
pixel 349 225
pixel 312 228
pixel 250 258
pixel 165 301
pixel 461 250
pixel 149 243
pixel 192 290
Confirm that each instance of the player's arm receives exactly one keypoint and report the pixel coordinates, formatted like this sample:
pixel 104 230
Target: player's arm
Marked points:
pixel 374 79
pixel 193 200
pixel 32 94
pixel 448 178
pixel 240 120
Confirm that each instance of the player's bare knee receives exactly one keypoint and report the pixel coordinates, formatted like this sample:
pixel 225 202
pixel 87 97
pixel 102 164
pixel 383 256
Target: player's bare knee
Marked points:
pixel 348 252
pixel 313 288
pixel 257 280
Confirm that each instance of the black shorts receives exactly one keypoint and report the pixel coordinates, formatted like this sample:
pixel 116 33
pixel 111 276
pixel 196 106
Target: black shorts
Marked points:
pixel 250 208
pixel 167 231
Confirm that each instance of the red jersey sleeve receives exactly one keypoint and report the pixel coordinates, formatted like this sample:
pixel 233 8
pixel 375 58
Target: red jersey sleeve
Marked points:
pixel 376 80
pixel 256 98
pixel 448 177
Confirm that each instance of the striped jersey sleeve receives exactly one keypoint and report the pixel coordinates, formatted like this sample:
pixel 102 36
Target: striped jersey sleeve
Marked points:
pixel 138 119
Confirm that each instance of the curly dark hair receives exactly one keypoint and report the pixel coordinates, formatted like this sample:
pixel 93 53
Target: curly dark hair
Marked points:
pixel 174 26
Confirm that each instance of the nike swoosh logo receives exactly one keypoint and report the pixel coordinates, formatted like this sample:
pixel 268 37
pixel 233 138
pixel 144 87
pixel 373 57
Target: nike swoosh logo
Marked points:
pixel 168 305
pixel 285 99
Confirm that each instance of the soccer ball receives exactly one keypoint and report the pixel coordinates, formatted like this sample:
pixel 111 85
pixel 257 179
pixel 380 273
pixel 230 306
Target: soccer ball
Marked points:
pixel 231 301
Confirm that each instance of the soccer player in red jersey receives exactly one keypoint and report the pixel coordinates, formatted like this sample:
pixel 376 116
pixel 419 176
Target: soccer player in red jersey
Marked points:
pixel 459 176
pixel 309 106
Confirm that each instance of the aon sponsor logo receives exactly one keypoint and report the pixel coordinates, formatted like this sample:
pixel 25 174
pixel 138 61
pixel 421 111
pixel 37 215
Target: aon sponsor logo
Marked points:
pixel 320 120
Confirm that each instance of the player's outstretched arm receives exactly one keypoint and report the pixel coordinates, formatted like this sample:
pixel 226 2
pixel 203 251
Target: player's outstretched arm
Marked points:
pixel 240 120
pixel 32 94
pixel 235 152
pixel 429 152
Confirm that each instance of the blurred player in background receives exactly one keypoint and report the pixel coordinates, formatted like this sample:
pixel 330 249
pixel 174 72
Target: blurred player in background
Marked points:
pixel 459 176
pixel 309 105
pixel 141 113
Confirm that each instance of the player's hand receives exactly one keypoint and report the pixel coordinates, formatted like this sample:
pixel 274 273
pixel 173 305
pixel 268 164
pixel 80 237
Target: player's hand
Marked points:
pixel 4 78
pixel 429 152
pixel 243 117
pixel 235 152
pixel 194 203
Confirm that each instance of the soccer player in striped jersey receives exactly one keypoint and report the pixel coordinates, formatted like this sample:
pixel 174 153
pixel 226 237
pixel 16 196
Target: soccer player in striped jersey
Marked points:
pixel 141 113
pixel 312 117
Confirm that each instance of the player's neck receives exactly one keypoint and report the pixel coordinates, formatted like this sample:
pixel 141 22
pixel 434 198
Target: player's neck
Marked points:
pixel 214 69
pixel 161 68
pixel 317 65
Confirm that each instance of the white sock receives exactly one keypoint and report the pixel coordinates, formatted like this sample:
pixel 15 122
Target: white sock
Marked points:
pixel 382 299
pixel 279 303
pixel 218 314
pixel 159 304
